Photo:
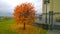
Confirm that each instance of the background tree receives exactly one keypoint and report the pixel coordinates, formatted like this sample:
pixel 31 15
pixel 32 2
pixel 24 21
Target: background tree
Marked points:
pixel 24 14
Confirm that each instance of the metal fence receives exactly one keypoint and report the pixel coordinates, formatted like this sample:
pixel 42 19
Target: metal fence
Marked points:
pixel 51 14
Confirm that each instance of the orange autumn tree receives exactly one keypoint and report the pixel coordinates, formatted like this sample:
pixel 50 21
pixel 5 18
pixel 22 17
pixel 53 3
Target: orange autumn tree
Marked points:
pixel 24 14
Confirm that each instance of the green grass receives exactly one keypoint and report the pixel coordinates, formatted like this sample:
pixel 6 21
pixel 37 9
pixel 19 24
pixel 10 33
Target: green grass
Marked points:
pixel 4 28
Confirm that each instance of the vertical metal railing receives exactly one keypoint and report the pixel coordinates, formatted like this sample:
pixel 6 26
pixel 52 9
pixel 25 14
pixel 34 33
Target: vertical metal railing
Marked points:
pixel 51 20
pixel 46 3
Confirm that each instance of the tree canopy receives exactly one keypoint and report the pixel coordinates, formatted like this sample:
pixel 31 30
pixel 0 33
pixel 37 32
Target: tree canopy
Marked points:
pixel 25 13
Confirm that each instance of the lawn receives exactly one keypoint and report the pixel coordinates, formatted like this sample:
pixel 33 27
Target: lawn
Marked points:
pixel 9 27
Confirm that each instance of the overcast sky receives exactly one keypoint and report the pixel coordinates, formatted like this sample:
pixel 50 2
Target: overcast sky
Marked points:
pixel 7 6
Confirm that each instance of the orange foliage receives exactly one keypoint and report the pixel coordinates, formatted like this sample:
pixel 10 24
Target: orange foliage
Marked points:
pixel 24 13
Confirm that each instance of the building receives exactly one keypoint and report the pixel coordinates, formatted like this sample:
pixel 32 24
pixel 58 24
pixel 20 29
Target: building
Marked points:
pixel 51 6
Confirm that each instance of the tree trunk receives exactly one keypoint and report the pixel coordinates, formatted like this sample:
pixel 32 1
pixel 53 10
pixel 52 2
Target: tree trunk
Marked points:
pixel 24 26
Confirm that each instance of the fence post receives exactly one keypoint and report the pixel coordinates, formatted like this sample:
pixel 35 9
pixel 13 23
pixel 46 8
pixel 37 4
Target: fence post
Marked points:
pixel 51 20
